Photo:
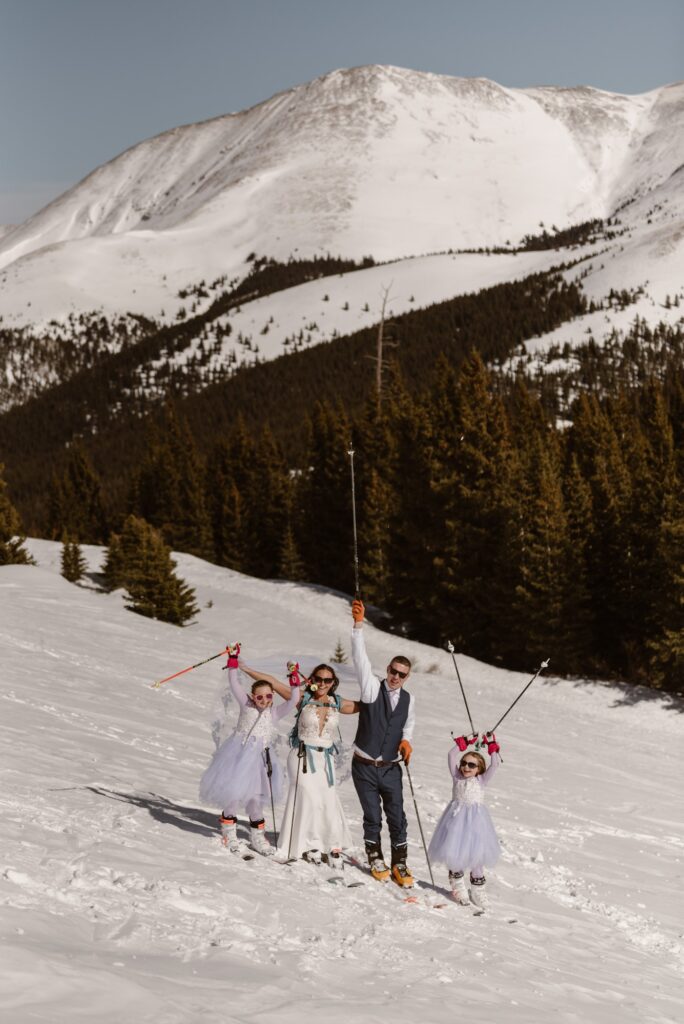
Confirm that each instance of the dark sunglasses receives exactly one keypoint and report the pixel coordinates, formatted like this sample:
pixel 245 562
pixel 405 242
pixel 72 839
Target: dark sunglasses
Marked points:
pixel 469 764
pixel 322 680
pixel 396 672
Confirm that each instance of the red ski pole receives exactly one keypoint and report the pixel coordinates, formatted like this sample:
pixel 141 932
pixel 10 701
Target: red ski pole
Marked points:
pixel 184 670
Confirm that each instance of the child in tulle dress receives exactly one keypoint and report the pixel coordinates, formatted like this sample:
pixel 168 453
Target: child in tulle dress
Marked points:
pixel 464 837
pixel 238 773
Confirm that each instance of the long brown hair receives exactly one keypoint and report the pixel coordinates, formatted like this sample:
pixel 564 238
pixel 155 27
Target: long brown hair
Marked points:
pixel 314 671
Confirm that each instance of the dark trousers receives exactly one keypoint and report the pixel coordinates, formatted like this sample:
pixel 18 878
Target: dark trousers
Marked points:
pixel 374 785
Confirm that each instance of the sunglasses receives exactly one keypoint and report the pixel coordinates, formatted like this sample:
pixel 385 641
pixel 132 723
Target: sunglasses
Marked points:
pixel 262 696
pixel 396 672
pixel 323 680
pixel 469 764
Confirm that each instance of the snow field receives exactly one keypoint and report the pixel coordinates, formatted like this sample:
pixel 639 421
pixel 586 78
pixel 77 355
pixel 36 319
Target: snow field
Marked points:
pixel 117 900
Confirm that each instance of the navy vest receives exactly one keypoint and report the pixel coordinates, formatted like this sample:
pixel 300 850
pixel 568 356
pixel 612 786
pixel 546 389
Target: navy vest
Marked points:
pixel 380 729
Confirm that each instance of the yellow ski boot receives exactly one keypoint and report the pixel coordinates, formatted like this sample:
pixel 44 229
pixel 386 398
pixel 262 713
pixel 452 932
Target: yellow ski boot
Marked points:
pixel 376 861
pixel 400 872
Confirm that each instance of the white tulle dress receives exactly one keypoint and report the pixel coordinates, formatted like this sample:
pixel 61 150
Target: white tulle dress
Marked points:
pixel 464 838
pixel 319 821
pixel 237 774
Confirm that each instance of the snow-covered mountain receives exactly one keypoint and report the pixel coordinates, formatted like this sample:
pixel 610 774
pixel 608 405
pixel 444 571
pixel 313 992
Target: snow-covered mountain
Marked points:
pixel 117 901
pixel 373 160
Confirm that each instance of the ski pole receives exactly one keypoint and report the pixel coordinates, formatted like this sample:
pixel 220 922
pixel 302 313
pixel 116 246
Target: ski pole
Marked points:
pixel 269 772
pixel 450 649
pixel 408 775
pixel 294 800
pixel 184 670
pixel 543 665
pixel 357 590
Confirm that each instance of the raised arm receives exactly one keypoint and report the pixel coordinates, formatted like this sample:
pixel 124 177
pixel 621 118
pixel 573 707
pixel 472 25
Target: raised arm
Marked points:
pixel 369 684
pixel 240 696
pixel 453 761
pixel 288 705
pixel 487 776
pixel 282 689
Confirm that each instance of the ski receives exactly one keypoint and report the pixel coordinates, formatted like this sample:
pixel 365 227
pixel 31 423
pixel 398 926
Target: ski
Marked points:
pixel 236 848
pixel 340 880
pixel 414 896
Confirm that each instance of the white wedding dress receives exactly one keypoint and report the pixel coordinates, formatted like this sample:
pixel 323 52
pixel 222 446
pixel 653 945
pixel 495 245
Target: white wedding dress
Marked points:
pixel 319 821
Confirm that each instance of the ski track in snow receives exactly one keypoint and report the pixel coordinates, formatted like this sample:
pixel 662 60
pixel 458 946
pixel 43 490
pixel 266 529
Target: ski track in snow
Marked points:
pixel 117 900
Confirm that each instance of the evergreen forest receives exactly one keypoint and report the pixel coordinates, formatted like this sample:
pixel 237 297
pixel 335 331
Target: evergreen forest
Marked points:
pixel 521 516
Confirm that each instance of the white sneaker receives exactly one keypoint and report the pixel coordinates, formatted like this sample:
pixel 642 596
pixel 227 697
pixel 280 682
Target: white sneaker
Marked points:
pixel 479 897
pixel 258 841
pixel 459 889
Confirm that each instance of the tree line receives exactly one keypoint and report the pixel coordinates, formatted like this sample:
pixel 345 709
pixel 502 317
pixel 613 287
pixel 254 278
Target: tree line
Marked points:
pixel 479 519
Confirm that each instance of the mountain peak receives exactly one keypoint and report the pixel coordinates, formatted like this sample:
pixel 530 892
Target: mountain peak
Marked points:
pixel 374 159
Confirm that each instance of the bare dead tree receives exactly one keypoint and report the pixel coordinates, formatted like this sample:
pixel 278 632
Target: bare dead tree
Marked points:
pixel 382 342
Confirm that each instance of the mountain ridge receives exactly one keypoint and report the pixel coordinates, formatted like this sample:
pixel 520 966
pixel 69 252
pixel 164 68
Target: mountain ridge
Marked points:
pixel 377 160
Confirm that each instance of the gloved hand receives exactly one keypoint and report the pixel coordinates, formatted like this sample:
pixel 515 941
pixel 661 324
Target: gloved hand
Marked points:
pixel 490 739
pixel 405 749
pixel 233 654
pixel 358 610
pixel 462 742
pixel 293 673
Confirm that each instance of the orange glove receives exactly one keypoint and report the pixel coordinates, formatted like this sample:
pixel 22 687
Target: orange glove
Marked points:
pixel 358 611
pixel 405 749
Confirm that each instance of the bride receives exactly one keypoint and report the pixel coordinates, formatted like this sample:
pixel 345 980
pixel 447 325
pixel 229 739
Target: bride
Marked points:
pixel 314 825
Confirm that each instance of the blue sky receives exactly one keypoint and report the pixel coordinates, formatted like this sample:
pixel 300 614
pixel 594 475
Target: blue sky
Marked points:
pixel 82 80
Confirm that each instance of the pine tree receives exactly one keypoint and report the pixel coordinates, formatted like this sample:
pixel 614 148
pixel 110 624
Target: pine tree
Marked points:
pixel 667 643
pixel 73 564
pixel 267 495
pixel 472 458
pixel 290 565
pixel 376 499
pixel 326 522
pixel 654 484
pixel 113 566
pixel 225 503
pixel 169 489
pixel 142 563
pixel 75 500
pixel 338 656
pixel 578 655
pixel 12 550
pixel 415 529
pixel 540 605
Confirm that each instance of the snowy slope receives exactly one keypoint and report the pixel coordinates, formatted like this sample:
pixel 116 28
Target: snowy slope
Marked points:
pixel 117 901
pixel 372 160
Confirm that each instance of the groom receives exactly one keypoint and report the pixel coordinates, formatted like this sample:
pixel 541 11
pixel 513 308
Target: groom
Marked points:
pixel 383 741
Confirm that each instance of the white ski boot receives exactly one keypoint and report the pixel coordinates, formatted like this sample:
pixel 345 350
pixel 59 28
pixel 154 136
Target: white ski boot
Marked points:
pixel 313 857
pixel 478 895
pixel 459 889
pixel 229 836
pixel 336 860
pixel 258 841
